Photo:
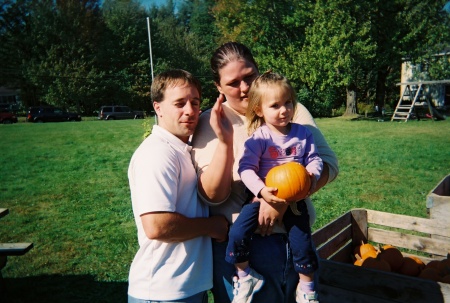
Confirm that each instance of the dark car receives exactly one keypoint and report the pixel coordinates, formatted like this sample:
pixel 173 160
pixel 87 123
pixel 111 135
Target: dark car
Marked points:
pixel 7 117
pixel 115 112
pixel 50 114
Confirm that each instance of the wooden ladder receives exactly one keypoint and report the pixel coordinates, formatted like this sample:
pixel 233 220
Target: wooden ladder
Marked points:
pixel 406 103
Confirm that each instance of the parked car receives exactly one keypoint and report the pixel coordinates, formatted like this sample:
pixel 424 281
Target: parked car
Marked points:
pixel 114 112
pixel 7 117
pixel 50 114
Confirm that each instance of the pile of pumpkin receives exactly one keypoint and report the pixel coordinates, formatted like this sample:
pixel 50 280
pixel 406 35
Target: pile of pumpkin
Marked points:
pixel 389 258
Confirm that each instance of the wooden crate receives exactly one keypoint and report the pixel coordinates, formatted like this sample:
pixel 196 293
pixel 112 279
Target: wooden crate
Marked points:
pixel 341 281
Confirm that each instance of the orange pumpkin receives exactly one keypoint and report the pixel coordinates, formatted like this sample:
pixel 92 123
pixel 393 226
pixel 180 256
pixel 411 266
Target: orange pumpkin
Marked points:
pixel 410 267
pixel 392 255
pixel 419 262
pixel 433 264
pixel 367 254
pixel 430 274
pixel 291 179
pixel 370 254
pixel 376 263
pixel 444 267
pixel 364 248
pixel 358 262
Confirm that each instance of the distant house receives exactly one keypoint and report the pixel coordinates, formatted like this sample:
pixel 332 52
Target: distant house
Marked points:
pixel 438 93
pixel 10 98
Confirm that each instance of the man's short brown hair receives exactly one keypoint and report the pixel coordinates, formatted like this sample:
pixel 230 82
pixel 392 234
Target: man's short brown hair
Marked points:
pixel 172 78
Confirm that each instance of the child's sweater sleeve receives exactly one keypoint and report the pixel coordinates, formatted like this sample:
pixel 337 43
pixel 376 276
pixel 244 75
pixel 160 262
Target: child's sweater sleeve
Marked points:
pixel 249 166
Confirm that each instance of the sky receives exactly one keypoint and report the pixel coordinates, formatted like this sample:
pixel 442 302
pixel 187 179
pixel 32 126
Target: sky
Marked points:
pixel 148 3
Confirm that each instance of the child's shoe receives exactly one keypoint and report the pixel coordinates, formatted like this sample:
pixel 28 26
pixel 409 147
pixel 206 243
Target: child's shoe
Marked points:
pixel 244 288
pixel 302 297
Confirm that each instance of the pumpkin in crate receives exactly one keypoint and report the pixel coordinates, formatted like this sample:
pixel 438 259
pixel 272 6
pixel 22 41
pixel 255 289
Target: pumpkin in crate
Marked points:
pixel 368 254
pixel 411 266
pixel 444 267
pixel 291 179
pixel 430 274
pixel 364 248
pixel 392 255
pixel 376 263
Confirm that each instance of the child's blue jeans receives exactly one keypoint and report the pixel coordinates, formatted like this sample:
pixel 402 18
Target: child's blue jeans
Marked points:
pixel 299 234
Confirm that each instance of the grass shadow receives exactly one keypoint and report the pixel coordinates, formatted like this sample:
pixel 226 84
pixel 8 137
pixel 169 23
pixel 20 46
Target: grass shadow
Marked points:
pixel 59 288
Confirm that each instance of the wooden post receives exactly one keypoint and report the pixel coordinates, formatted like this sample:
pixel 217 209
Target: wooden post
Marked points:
pixel 438 203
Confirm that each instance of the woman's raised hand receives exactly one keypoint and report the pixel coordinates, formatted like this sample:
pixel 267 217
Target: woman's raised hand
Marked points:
pixel 219 122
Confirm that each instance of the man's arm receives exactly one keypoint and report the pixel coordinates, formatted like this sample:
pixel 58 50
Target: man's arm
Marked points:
pixel 174 227
pixel 330 162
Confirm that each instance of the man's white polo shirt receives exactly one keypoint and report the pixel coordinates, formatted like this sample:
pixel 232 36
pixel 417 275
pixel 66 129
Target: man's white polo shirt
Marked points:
pixel 162 178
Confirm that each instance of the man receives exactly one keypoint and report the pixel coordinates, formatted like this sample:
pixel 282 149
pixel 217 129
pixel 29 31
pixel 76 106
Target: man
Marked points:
pixel 174 260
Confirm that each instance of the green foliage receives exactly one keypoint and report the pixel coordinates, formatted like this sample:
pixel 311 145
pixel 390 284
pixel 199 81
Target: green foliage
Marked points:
pixel 125 53
pixel 80 54
pixel 320 104
pixel 64 55
pixel 274 31
pixel 338 47
pixel 439 66
pixel 180 41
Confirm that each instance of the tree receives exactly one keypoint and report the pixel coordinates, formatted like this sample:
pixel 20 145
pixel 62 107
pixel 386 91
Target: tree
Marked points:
pixel 274 31
pixel 197 17
pixel 125 54
pixel 65 52
pixel 51 47
pixel 16 44
pixel 417 30
pixel 180 40
pixel 337 48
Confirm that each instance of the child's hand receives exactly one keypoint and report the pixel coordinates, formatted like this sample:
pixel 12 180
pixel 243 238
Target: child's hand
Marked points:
pixel 268 194
pixel 313 184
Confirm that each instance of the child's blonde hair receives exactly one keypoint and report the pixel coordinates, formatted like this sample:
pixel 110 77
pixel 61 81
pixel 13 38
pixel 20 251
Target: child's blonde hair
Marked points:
pixel 256 94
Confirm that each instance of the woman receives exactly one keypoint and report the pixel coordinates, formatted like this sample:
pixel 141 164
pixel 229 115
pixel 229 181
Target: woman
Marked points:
pixel 217 159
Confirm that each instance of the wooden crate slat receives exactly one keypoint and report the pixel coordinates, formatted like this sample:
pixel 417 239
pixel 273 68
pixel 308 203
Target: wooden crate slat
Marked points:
pixel 359 226
pixel 341 281
pixel 322 235
pixel 3 212
pixel 335 242
pixel 343 254
pixel 426 260
pixel 436 227
pixel 330 294
pixel 385 286
pixel 423 244
pixel 14 249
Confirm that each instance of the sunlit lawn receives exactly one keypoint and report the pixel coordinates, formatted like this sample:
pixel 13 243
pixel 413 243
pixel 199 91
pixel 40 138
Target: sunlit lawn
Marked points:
pixel 66 187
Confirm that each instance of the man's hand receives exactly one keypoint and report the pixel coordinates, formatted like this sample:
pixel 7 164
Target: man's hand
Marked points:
pixel 220 123
pixel 269 215
pixel 219 228
pixel 313 186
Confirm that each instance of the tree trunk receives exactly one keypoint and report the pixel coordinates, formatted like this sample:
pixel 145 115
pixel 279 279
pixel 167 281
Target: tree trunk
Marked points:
pixel 380 94
pixel 351 100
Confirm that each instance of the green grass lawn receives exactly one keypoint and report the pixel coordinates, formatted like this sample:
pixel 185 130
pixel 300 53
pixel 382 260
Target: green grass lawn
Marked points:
pixel 66 187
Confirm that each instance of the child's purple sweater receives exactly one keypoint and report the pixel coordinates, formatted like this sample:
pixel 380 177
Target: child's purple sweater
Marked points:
pixel 264 150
